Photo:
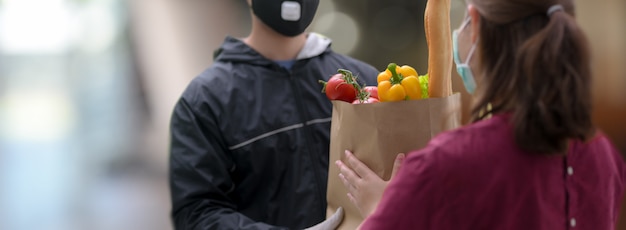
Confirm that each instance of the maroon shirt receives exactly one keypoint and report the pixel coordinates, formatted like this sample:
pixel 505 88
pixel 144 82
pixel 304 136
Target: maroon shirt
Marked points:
pixel 476 177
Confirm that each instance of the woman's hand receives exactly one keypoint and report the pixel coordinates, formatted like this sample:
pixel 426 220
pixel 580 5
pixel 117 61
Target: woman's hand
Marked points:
pixel 365 188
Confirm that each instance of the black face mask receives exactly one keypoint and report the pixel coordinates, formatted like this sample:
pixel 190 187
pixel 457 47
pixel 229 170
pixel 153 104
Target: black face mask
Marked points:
pixel 287 17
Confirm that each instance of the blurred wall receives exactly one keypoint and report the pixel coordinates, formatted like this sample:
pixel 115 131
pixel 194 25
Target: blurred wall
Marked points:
pixel 174 42
pixel 605 24
pixel 68 108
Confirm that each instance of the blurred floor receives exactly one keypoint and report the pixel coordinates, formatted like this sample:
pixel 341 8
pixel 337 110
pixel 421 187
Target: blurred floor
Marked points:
pixel 129 200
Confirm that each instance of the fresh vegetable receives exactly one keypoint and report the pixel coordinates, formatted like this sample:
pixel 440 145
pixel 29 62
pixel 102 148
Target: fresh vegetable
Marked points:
pixel 383 89
pixel 396 83
pixel 366 95
pixel 344 86
pixel 424 85
pixel 383 76
pixel 341 86
pixel 406 71
pixel 372 90
pixel 369 100
pixel 412 87
pixel 399 87
pixel 396 93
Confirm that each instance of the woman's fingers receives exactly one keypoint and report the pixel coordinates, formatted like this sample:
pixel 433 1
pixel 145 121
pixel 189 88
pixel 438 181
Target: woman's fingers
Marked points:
pixel 347 174
pixel 357 166
pixel 365 188
pixel 347 183
pixel 396 165
pixel 352 199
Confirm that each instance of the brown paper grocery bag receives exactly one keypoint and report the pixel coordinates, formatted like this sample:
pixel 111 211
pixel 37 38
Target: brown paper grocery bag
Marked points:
pixel 376 133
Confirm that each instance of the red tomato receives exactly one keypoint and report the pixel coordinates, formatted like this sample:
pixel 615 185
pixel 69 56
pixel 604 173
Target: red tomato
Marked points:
pixel 368 101
pixel 373 90
pixel 338 89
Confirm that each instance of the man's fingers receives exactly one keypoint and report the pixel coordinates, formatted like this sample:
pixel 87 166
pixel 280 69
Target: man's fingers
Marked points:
pixel 330 223
pixel 396 164
pixel 335 219
pixel 359 168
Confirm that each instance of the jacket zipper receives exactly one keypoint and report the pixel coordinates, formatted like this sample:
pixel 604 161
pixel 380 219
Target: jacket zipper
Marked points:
pixel 308 136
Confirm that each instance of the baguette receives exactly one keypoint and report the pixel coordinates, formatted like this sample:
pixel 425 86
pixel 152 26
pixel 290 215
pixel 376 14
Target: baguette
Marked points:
pixel 439 41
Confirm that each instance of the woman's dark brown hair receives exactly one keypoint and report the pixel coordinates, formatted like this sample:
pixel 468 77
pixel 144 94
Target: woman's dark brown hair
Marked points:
pixel 537 67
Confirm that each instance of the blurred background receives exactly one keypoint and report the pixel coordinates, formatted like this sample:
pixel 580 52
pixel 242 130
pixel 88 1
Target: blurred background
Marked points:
pixel 87 88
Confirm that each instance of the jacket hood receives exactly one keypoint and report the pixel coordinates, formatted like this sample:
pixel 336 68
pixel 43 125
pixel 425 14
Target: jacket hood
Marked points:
pixel 235 50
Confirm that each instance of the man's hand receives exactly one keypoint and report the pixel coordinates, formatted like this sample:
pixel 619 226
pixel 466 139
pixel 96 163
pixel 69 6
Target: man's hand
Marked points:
pixel 330 223
pixel 365 188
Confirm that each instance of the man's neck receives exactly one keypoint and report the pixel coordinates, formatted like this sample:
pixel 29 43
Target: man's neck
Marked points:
pixel 273 45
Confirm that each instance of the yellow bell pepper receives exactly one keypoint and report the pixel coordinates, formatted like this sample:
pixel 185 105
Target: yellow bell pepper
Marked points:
pixel 412 87
pixel 383 76
pixel 383 89
pixel 396 93
pixel 399 87
pixel 406 71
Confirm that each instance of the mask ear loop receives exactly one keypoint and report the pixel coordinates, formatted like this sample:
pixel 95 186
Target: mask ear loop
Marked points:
pixel 471 53
pixel 465 23
pixel 456 33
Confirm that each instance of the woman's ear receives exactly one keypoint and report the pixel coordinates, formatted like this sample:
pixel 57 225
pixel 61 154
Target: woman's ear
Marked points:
pixel 475 22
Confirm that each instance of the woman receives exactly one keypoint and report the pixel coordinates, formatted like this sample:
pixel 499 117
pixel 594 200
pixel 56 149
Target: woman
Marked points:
pixel 533 160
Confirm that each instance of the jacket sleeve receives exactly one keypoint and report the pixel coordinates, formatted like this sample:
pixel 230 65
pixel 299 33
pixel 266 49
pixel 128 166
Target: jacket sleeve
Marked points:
pixel 200 180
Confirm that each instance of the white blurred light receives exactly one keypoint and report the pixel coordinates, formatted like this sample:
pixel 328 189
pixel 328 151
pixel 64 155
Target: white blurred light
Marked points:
pixel 98 29
pixel 341 28
pixel 35 26
pixel 36 115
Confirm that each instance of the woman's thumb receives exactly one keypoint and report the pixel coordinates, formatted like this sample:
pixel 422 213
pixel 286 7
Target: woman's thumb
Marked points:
pixel 396 165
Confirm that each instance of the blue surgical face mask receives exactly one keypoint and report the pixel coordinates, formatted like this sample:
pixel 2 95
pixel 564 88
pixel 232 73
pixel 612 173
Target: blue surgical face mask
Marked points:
pixel 463 69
